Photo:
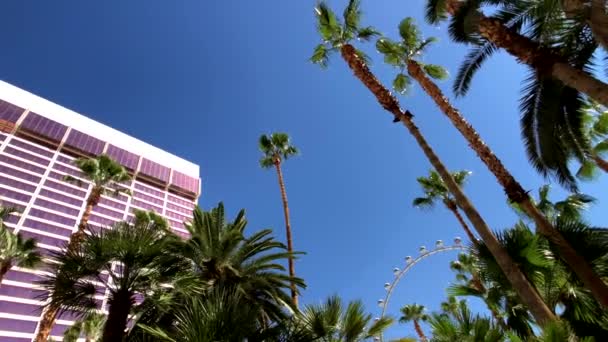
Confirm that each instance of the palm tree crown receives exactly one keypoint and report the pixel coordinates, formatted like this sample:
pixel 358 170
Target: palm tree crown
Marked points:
pixel 14 250
pixel 129 259
pixel 223 256
pixel 335 33
pixel 435 189
pixel 413 312
pixel 331 321
pixel 409 48
pixel 105 174
pixel 275 147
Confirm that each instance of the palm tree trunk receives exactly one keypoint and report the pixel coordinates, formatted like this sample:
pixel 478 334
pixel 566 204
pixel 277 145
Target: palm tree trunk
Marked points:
pixel 593 12
pixel 454 209
pixel 419 331
pixel 533 54
pixel 520 283
pixel 4 268
pixel 48 319
pixel 512 188
pixel 46 324
pixel 92 201
pixel 118 313
pixel 292 269
pixel 601 163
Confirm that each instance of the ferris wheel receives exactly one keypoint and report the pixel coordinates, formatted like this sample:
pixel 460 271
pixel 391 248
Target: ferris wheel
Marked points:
pixel 410 262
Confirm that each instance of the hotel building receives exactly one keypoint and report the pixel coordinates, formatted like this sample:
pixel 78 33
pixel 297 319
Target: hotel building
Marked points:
pixel 39 141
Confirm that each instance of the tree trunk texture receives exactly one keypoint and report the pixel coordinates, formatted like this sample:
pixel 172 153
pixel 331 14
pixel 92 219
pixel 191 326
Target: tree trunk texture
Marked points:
pixel 46 324
pixel 292 269
pixel 4 268
pixel 79 235
pixel 593 12
pixel 544 60
pixel 419 331
pixel 512 188
pixel 454 209
pixel 118 313
pixel 520 283
pixel 601 163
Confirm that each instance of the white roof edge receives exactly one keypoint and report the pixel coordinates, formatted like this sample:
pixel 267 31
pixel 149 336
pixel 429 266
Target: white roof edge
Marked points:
pixel 37 104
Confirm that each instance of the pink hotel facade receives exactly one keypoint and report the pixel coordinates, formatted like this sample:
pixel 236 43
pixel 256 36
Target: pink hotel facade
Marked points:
pixel 38 142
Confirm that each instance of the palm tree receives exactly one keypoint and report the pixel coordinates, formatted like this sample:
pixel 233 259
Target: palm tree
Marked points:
pixel 414 313
pixel 543 59
pixel 595 123
pixel 14 250
pixel 91 326
pixel 337 36
pixel 435 189
pixel 331 321
pixel 220 315
pixel 223 256
pixel 551 112
pixel 570 208
pixel 276 148
pixel 136 258
pixel 403 55
pixel 463 327
pixel 563 294
pixel 105 175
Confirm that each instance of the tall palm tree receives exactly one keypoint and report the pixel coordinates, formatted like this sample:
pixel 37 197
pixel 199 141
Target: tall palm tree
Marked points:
pixel 223 256
pixel 415 313
pixel 403 55
pixel 14 250
pixel 105 176
pixel 435 189
pixel 543 59
pixel 275 148
pixel 332 321
pixel 551 115
pixel 130 259
pixel 563 294
pixel 570 208
pixel 337 37
pixel 91 326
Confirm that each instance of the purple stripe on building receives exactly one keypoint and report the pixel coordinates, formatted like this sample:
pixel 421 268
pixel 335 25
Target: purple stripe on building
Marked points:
pixel 185 182
pixel 45 127
pixel 8 324
pixel 125 158
pixel 9 112
pixel 22 292
pixel 85 142
pixel 155 170
pixel 31 148
pixel 47 227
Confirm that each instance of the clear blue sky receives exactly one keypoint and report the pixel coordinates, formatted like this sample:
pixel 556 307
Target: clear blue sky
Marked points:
pixel 203 79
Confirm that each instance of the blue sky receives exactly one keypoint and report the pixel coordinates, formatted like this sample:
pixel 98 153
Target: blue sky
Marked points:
pixel 203 79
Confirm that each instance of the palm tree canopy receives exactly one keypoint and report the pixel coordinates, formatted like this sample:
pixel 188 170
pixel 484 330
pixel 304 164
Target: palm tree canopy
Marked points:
pixel 570 208
pixel 90 326
pixel 144 263
pixel 413 312
pixel 275 147
pixel 14 250
pixel 410 47
pixel 595 128
pixel 332 321
pixel 103 172
pixel 435 189
pixel 222 255
pixel 551 113
pixel 335 32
